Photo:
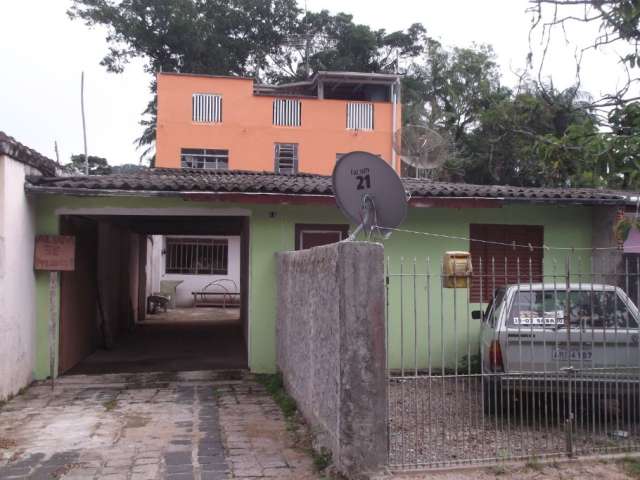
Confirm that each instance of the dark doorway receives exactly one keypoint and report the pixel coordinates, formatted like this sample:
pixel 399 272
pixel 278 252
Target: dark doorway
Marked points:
pixel 105 323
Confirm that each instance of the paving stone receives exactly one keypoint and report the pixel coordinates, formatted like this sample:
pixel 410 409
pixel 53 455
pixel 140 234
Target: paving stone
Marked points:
pixel 163 426
pixel 214 476
pixel 179 468
pixel 178 458
pixel 181 476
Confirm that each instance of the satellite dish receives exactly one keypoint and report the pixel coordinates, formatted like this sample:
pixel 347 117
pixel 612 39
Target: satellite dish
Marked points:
pixel 369 192
pixel 421 146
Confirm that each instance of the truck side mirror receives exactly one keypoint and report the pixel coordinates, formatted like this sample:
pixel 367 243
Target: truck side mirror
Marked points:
pixel 476 314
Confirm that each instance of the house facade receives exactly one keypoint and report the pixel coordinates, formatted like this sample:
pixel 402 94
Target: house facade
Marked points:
pixel 273 213
pixel 17 278
pixel 232 123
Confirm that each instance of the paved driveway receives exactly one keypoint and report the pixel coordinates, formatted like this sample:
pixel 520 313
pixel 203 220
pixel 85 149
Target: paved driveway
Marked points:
pixel 190 425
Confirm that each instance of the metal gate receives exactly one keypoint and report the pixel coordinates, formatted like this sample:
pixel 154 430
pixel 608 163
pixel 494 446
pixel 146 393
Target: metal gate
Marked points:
pixel 514 362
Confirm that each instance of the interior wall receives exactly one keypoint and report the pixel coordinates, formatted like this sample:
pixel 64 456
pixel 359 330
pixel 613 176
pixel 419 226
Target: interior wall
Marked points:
pixel 114 281
pixel 134 274
pixel 142 280
pixel 244 279
pixel 192 283
pixel 79 333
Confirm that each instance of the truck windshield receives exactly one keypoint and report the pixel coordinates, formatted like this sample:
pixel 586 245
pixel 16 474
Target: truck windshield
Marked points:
pixel 587 309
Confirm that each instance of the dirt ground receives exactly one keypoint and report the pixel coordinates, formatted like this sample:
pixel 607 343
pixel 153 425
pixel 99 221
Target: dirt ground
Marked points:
pixel 625 468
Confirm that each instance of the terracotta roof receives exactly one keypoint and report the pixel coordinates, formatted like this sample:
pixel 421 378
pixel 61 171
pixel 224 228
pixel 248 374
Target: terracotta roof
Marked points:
pixel 163 181
pixel 10 147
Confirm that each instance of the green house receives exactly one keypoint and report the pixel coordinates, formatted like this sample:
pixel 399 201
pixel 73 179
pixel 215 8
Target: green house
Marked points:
pixel 522 234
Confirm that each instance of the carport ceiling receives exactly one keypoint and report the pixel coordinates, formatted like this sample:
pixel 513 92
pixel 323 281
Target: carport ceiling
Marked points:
pixel 176 225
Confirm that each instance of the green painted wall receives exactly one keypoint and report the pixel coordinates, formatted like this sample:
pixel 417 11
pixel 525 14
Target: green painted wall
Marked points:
pixel 272 230
pixel 447 326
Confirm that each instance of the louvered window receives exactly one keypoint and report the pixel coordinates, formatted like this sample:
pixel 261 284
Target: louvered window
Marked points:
pixel 499 265
pixel 204 159
pixel 206 108
pixel 287 112
pixel 360 116
pixel 196 256
pixel 286 158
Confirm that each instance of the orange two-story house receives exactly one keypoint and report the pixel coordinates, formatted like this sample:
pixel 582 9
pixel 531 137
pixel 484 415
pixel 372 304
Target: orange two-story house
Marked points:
pixel 214 122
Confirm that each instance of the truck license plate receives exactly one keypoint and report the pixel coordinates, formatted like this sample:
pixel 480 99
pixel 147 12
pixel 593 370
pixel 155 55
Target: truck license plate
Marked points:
pixel 565 355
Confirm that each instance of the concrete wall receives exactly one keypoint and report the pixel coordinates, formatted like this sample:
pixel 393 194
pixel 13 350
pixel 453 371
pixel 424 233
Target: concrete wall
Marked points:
pixel 331 347
pixel 17 280
pixel 190 283
pixel 79 330
pixel 118 301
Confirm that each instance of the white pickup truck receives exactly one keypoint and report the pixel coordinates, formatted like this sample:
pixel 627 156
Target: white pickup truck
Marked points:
pixel 558 339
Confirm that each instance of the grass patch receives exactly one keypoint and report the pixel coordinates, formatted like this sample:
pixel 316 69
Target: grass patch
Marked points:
pixel 275 386
pixel 534 464
pixel 321 459
pixel 497 470
pixel 110 404
pixel 631 466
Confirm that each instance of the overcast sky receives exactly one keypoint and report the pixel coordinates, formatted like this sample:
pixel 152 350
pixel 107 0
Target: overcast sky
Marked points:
pixel 43 54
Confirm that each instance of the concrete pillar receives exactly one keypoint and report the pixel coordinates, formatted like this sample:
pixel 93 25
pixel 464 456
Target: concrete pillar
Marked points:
pixel 331 348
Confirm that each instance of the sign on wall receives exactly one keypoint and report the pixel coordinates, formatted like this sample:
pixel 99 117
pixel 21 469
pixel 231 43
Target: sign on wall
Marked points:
pixel 55 253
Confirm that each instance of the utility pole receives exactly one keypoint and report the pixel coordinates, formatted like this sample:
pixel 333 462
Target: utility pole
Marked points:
pixel 55 148
pixel 84 126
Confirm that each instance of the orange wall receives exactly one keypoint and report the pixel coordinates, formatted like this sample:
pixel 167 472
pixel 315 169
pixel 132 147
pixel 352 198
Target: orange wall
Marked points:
pixel 247 131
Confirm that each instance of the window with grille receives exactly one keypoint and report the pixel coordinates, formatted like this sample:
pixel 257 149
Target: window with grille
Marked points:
pixel 287 112
pixel 206 108
pixel 286 160
pixel 196 256
pixel 360 116
pixel 496 265
pixel 204 159
pixel 314 235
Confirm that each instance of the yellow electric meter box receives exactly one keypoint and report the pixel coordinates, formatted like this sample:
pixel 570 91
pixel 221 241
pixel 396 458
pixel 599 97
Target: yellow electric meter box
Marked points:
pixel 456 269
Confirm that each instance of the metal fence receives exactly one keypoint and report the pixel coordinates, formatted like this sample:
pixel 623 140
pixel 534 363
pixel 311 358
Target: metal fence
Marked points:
pixel 547 365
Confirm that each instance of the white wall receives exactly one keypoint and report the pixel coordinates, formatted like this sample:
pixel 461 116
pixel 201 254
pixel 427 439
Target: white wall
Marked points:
pixel 191 283
pixel 17 279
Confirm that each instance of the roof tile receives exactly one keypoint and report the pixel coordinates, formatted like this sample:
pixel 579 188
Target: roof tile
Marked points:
pixel 183 181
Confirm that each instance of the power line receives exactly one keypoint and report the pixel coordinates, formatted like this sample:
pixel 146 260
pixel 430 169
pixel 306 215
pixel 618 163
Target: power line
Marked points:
pixel 504 244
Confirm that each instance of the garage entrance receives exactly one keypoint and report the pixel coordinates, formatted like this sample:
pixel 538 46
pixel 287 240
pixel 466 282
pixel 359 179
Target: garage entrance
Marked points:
pixel 154 293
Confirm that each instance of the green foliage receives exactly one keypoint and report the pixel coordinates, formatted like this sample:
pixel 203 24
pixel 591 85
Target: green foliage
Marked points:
pixel 321 459
pixel 97 165
pixel 275 386
pixel 470 364
pixel 631 466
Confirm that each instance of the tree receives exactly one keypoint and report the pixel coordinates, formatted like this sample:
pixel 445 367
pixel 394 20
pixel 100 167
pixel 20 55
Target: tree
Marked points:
pixel 606 158
pixel 77 166
pixel 618 23
pixel 448 91
pixel 322 41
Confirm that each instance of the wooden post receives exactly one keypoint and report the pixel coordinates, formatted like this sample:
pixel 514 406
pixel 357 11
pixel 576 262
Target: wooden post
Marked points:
pixel 53 254
pixel 53 316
